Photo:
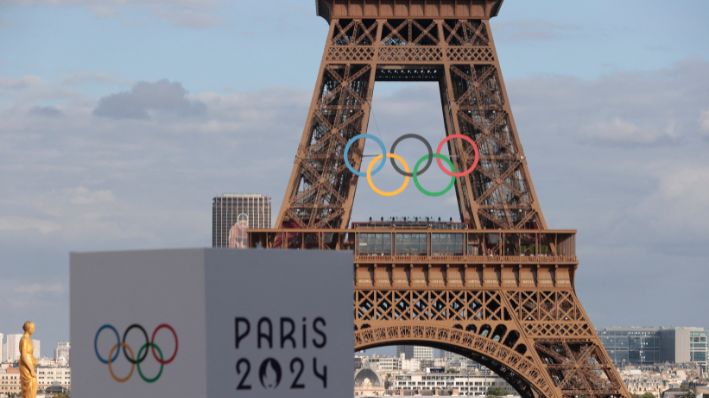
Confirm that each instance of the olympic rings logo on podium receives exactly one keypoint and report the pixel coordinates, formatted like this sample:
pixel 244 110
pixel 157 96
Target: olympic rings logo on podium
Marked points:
pixel 130 355
pixel 417 171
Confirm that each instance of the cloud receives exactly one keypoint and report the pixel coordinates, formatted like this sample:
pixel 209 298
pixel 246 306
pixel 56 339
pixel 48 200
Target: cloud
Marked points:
pixel 85 196
pixel 704 121
pixel 628 144
pixel 622 109
pixel 21 83
pixel 618 131
pixel 13 224
pixel 45 111
pixel 89 78
pixel 186 13
pixel 528 30
pixel 53 288
pixel 147 98
pixel 156 167
pixel 22 298
pixel 679 206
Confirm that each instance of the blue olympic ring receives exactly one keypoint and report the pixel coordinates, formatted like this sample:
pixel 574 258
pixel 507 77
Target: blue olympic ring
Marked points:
pixel 118 342
pixel 359 137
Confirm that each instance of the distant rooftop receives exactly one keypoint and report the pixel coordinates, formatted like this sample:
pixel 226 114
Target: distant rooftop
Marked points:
pixel 243 195
pixel 649 328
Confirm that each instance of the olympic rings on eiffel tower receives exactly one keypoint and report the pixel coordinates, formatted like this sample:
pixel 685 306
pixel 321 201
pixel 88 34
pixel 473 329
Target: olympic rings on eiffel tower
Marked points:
pixel 374 188
pixel 417 171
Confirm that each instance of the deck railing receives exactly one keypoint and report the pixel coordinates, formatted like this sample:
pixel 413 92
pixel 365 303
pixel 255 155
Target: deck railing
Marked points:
pixel 437 245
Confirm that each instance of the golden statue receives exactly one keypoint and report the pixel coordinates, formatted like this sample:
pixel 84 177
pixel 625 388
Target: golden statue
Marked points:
pixel 28 363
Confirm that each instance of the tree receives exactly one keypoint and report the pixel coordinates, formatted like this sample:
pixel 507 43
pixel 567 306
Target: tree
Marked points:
pixel 646 395
pixel 497 392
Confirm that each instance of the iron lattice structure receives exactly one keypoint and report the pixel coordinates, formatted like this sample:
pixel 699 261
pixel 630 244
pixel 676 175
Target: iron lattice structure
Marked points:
pixel 507 297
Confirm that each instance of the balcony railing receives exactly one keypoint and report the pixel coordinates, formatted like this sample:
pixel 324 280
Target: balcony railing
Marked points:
pixel 379 245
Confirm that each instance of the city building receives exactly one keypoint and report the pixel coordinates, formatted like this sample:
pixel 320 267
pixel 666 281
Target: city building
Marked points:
pixel 368 383
pixel 658 379
pixel 10 381
pixel 12 347
pixel 415 352
pixel 233 213
pixel 424 383
pixel 2 348
pixel 49 376
pixel 383 363
pixel 636 346
pixel 647 346
pixel 685 344
pixel 37 346
pixel 61 353
pixel 397 376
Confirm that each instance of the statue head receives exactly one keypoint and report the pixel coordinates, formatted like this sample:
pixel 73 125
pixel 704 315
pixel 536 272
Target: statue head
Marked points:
pixel 28 327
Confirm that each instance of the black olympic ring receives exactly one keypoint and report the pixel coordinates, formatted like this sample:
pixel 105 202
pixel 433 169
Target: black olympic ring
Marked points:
pixel 429 155
pixel 125 337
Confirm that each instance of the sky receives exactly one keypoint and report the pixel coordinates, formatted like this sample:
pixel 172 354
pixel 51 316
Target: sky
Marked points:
pixel 121 119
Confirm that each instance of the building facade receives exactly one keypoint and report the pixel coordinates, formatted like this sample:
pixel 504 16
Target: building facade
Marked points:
pixel 2 348
pixel 415 352
pixel 384 363
pixel 632 346
pixel 36 345
pixel 698 348
pixel 12 347
pixel 685 344
pixel 233 213
pixel 61 353
pixel 10 381
pixel 49 376
pixel 422 383
pixel 646 346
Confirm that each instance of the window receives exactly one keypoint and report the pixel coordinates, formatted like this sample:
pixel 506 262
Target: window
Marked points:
pixel 374 244
pixel 411 244
pixel 447 244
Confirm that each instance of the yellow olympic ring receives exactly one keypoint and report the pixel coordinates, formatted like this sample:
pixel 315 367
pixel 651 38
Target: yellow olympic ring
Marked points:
pixel 374 187
pixel 126 347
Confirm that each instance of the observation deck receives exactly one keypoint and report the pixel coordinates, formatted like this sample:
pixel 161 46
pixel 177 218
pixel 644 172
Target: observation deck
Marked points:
pixel 407 9
pixel 441 255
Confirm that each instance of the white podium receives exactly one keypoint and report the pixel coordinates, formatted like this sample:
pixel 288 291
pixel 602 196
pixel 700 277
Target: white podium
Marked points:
pixel 213 323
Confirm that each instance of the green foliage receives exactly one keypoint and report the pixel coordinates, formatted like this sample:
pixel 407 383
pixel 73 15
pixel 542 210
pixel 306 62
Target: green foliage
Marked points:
pixel 497 392
pixel 646 395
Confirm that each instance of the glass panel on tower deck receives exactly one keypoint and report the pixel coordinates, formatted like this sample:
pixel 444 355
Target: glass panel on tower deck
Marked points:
pixel 411 244
pixel 447 244
pixel 374 245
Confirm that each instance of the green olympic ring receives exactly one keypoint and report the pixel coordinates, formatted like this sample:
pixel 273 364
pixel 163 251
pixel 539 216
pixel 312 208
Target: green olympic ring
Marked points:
pixel 416 175
pixel 140 371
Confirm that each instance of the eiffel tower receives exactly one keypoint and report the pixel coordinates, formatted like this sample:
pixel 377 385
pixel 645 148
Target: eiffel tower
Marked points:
pixel 498 287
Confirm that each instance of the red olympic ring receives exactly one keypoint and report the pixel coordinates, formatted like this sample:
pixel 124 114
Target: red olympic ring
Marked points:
pixel 475 149
pixel 177 343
